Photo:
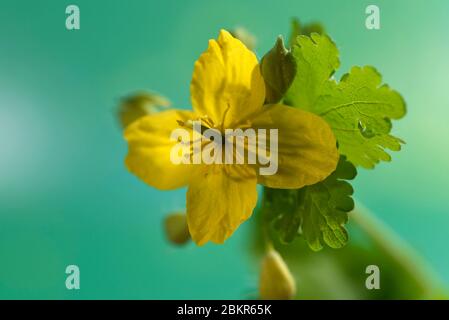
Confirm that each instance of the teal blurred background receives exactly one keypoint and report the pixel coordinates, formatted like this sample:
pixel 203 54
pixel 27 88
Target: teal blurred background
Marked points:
pixel 66 197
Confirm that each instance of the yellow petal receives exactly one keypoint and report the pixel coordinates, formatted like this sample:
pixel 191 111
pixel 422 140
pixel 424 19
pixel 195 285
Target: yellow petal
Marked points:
pixel 227 85
pixel 276 280
pixel 149 149
pixel 219 199
pixel 307 151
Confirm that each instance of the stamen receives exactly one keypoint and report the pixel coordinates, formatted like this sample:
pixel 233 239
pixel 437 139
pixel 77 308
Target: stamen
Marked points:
pixel 187 124
pixel 204 119
pixel 208 121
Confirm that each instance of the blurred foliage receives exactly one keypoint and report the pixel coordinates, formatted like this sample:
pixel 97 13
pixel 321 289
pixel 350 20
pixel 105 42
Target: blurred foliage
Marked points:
pixel 340 274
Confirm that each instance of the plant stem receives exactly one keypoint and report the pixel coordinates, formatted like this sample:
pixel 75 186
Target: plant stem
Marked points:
pixel 399 251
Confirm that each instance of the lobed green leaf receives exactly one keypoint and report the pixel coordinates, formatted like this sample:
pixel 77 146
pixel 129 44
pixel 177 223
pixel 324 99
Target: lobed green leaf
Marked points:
pixel 359 108
pixel 318 211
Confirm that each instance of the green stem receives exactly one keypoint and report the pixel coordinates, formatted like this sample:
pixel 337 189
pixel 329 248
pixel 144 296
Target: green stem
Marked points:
pixel 396 248
pixel 265 227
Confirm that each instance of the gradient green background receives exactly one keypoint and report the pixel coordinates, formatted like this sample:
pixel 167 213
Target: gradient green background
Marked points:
pixel 65 196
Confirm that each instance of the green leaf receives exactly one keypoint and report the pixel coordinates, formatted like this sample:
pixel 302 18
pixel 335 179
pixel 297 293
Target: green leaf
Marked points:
pixel 138 105
pixel 316 61
pixel 325 208
pixel 278 70
pixel 297 30
pixel 319 211
pixel 281 206
pixel 358 108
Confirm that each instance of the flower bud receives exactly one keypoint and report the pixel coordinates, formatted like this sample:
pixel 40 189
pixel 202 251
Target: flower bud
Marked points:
pixel 276 281
pixel 176 228
pixel 138 105
pixel 245 36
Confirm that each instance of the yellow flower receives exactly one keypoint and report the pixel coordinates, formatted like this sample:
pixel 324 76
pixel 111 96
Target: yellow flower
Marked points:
pixel 228 92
